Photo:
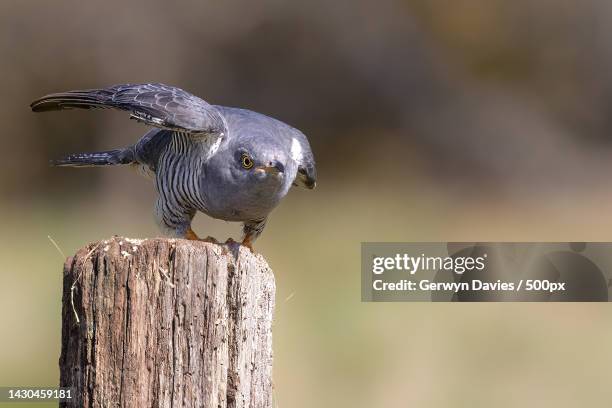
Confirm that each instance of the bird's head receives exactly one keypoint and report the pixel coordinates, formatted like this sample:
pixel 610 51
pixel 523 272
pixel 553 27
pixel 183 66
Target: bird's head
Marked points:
pixel 248 178
pixel 261 163
pixel 257 165
pixel 274 159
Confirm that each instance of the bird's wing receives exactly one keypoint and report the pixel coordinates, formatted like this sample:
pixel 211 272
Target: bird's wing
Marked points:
pixel 157 105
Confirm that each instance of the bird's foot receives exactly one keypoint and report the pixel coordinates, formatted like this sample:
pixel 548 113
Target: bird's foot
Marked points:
pixel 194 237
pixel 245 242
pixel 190 235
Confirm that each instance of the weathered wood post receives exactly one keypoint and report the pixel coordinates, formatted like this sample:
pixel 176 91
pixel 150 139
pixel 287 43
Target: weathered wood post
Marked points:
pixel 167 323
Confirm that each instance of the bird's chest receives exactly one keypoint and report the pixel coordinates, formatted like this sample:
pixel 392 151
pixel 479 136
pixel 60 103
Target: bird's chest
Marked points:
pixel 232 199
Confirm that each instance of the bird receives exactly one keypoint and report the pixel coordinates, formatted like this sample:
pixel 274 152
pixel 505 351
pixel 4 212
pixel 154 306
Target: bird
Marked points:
pixel 229 163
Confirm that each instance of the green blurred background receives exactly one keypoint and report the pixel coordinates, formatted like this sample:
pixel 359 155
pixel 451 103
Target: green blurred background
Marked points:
pixel 430 120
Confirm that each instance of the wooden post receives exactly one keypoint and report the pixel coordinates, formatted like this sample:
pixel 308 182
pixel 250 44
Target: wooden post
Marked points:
pixel 167 323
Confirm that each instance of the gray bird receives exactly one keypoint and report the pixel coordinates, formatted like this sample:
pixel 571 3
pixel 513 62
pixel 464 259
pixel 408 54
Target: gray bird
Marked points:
pixel 232 164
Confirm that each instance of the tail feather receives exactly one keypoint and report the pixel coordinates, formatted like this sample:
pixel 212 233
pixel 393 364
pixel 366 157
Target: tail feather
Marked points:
pixel 86 99
pixel 107 158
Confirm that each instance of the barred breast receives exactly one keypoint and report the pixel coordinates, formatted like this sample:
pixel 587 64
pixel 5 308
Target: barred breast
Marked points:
pixel 177 179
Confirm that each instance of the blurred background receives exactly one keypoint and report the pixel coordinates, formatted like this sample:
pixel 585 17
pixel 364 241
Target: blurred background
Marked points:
pixel 430 120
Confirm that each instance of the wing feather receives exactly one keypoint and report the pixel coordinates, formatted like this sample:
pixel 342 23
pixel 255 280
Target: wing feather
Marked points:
pixel 158 105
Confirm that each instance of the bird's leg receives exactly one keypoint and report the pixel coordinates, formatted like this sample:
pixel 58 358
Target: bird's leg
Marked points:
pixel 180 227
pixel 247 242
pixel 252 230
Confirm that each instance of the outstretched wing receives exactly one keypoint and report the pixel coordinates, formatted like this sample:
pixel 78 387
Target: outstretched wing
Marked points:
pixel 157 105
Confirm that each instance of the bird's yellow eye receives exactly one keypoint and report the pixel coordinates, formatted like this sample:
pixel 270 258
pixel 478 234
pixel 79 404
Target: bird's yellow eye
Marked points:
pixel 246 161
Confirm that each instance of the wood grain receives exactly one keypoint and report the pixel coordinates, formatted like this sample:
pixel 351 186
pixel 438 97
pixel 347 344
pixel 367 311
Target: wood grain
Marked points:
pixel 167 323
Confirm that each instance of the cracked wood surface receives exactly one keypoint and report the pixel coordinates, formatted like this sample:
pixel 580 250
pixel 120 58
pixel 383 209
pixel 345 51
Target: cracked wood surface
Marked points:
pixel 167 323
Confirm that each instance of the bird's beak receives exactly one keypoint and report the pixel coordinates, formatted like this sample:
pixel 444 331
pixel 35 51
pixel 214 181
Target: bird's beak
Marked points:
pixel 310 183
pixel 273 170
pixel 306 177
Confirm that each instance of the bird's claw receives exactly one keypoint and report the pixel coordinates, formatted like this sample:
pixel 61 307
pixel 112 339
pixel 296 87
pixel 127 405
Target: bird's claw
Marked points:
pixel 194 237
pixel 245 242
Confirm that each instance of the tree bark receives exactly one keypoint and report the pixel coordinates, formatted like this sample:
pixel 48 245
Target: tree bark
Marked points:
pixel 167 323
